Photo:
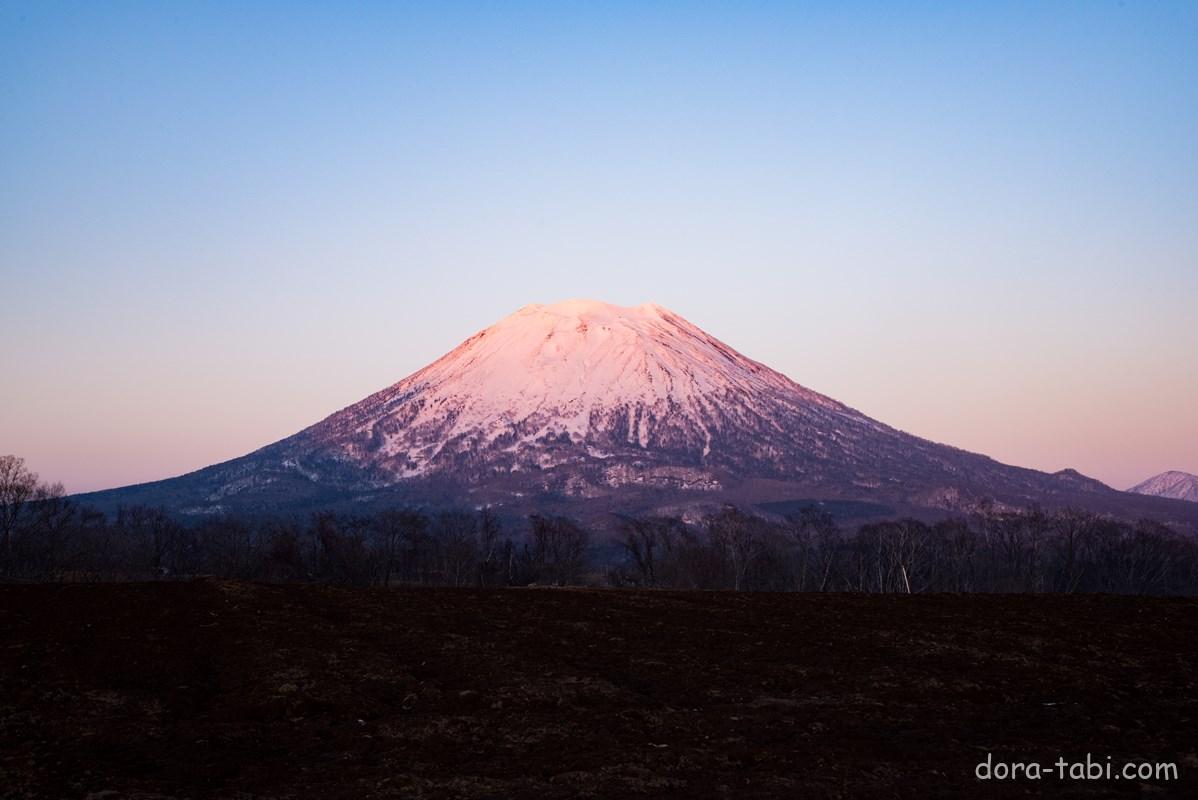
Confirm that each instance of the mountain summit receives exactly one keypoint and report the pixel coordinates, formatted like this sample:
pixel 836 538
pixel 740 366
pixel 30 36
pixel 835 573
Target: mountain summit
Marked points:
pixel 583 404
pixel 1175 484
pixel 582 380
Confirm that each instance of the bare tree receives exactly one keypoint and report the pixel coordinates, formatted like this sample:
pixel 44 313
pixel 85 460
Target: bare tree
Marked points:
pixel 649 542
pixel 53 527
pixel 958 550
pixel 489 530
pixel 18 486
pixel 456 536
pixel 228 547
pixel 557 551
pixel 392 528
pixel 343 556
pixel 155 538
pixel 1071 527
pixel 283 553
pixel 736 536
pixel 815 539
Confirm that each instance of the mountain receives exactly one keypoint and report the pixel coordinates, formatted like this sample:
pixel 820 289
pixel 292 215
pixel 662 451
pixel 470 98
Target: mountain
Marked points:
pixel 1174 484
pixel 585 407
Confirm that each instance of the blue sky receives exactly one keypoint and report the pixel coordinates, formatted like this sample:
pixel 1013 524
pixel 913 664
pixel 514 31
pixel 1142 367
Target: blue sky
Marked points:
pixel 222 221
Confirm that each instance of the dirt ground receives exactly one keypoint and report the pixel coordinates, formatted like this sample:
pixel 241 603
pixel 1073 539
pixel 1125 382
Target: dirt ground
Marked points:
pixel 231 690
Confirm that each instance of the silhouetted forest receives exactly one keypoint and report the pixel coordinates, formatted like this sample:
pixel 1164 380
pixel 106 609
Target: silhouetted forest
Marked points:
pixel 990 551
pixel 45 536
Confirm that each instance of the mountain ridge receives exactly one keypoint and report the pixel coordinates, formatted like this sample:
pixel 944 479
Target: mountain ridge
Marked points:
pixel 588 405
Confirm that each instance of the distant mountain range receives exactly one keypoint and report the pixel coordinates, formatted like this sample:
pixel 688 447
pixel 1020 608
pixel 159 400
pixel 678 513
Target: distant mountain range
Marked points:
pixel 1174 484
pixel 587 408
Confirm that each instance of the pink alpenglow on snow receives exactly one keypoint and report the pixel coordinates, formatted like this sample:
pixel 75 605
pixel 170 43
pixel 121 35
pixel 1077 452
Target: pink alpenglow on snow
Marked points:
pixel 580 360
pixel 1174 483
pixel 592 372
pixel 622 408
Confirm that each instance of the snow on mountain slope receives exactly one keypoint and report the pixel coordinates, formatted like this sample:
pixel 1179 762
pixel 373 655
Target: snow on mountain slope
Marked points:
pixel 584 400
pixel 579 372
pixel 1174 484
pixel 581 397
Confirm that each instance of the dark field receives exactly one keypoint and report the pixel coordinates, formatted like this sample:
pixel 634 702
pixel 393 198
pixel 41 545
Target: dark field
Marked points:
pixel 221 689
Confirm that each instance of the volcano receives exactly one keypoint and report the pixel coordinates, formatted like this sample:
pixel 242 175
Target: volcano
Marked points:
pixel 582 407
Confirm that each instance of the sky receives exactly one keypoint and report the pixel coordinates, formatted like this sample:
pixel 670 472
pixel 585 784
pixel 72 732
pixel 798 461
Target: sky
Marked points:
pixel 221 222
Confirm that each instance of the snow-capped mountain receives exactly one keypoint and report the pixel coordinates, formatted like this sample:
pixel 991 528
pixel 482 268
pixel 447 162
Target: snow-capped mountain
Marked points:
pixel 1175 484
pixel 620 391
pixel 582 402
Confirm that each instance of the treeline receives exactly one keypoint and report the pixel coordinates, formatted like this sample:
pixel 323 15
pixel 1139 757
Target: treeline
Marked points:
pixel 991 551
pixel 47 537
pixel 59 541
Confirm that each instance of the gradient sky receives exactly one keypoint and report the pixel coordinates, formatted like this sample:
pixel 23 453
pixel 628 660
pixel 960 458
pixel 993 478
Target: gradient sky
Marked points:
pixel 220 222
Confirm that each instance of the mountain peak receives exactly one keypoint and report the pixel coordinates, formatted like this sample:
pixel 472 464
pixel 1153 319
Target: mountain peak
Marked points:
pixel 586 310
pixel 584 371
pixel 1173 483
pixel 584 305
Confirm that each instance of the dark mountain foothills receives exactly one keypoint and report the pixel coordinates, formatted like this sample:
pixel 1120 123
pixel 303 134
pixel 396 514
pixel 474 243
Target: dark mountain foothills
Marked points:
pixel 225 689
pixel 585 409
